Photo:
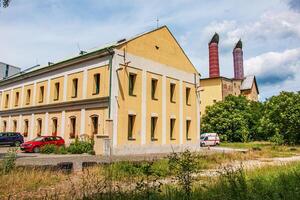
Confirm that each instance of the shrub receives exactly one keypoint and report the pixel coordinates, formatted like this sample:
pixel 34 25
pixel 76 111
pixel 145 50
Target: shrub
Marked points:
pixel 277 139
pixel 61 150
pixel 79 147
pixel 8 163
pixel 49 148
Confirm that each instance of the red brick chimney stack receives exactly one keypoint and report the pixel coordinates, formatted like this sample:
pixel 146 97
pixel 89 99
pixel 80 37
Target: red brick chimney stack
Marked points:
pixel 214 70
pixel 238 60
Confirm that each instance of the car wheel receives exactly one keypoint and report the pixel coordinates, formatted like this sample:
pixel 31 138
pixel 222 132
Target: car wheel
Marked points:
pixel 36 149
pixel 17 143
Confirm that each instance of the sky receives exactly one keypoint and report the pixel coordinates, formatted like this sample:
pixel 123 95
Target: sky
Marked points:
pixel 36 32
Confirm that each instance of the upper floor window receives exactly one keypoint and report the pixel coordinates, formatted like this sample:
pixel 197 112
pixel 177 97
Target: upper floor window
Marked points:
pixel 41 95
pixel 96 85
pixel 187 96
pixel 132 79
pixel 4 126
pixel 15 125
pixel 56 91
pixel 74 87
pixel 28 94
pixel 6 100
pixel 17 97
pixel 172 92
pixel 153 89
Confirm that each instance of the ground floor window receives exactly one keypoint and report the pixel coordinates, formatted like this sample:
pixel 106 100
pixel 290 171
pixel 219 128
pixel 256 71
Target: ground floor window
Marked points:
pixel 72 127
pixel 188 124
pixel 25 131
pixel 153 128
pixel 95 120
pixel 4 126
pixel 54 127
pixel 39 127
pixel 131 122
pixel 15 125
pixel 172 127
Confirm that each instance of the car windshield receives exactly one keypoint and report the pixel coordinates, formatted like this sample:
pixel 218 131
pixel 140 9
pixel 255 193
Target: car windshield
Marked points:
pixel 38 139
pixel 202 137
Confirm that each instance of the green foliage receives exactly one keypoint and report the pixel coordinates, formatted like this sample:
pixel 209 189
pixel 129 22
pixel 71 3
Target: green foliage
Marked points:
pixel 8 163
pixel 48 149
pixel 282 117
pixel 184 165
pixel 80 147
pixel 277 139
pixel 236 119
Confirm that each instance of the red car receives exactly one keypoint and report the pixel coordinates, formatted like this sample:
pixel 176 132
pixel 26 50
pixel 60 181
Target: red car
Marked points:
pixel 36 144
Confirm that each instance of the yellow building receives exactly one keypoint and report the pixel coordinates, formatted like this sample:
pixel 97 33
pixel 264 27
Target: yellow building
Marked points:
pixel 137 95
pixel 216 89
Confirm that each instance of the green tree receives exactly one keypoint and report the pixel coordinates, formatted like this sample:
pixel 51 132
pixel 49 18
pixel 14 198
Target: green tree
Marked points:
pixel 236 119
pixel 282 117
pixel 4 3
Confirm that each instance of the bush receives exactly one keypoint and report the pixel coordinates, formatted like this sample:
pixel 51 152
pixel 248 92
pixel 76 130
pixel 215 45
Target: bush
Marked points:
pixel 49 148
pixel 277 139
pixel 8 163
pixel 61 150
pixel 80 147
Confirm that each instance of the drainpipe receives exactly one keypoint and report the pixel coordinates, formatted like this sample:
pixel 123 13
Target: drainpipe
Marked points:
pixel 111 52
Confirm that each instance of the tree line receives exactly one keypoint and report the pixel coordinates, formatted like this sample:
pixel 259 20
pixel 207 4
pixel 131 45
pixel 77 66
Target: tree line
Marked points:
pixel 237 119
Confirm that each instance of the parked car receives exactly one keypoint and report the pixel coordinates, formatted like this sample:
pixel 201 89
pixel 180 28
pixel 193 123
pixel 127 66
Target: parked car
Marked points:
pixel 11 138
pixel 209 139
pixel 37 143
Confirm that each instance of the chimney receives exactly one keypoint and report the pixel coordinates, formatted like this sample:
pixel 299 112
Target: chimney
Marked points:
pixel 238 60
pixel 214 70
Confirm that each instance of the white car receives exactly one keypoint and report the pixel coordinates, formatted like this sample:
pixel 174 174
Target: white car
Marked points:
pixel 209 139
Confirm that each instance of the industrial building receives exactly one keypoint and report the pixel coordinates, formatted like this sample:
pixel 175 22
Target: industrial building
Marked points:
pixel 216 87
pixel 134 96
pixel 7 70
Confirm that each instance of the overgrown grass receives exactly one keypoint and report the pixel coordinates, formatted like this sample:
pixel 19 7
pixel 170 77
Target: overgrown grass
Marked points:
pixel 266 149
pixel 22 180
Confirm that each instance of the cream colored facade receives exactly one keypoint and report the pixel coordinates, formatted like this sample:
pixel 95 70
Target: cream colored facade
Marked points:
pixel 216 89
pixel 136 96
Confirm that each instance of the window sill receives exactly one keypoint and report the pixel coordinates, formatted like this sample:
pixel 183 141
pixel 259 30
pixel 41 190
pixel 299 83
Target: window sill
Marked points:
pixel 132 95
pixel 101 136
pixel 154 139
pixel 155 99
pixel 172 101
pixel 189 139
pixel 172 139
pixel 73 97
pixel 188 104
pixel 131 139
pixel 96 93
pixel 55 99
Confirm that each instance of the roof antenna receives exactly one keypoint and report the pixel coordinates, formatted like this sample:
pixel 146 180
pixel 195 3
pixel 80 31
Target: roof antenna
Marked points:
pixel 157 22
pixel 81 52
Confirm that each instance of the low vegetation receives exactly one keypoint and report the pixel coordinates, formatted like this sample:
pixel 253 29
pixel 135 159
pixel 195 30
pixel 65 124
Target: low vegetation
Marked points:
pixel 77 147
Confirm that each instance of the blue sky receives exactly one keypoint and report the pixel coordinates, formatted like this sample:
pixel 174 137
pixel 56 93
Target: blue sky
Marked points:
pixel 35 32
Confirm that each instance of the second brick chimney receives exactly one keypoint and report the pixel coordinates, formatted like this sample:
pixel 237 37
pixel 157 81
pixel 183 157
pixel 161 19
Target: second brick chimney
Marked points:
pixel 238 60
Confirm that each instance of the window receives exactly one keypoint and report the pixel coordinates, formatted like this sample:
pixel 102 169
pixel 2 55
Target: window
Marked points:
pixel 96 85
pixel 187 96
pixel 28 94
pixel 131 120
pixel 25 131
pixel 172 126
pixel 41 96
pixel 4 126
pixel 17 97
pixel 39 127
pixel 94 124
pixel 6 70
pixel 153 128
pixel 72 127
pixel 153 88
pixel 74 87
pixel 6 100
pixel 54 127
pixel 215 100
pixel 56 91
pixel 15 125
pixel 172 92
pixel 188 124
pixel 132 78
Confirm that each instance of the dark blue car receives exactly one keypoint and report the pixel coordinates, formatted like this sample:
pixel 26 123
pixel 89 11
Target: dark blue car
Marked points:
pixel 11 138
